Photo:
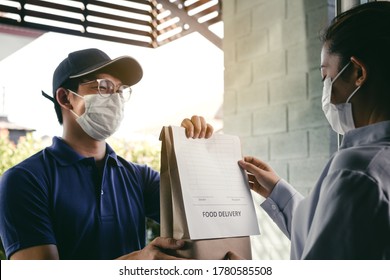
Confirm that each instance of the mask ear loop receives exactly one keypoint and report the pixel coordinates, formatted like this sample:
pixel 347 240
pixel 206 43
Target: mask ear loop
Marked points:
pixel 341 71
pixel 339 136
pixel 352 94
pixel 75 93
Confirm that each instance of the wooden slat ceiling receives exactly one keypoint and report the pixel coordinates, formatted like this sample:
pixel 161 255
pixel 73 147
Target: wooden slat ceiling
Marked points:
pixel 147 23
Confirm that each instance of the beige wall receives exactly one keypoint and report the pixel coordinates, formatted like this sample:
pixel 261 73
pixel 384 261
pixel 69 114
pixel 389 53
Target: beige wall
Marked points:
pixel 272 96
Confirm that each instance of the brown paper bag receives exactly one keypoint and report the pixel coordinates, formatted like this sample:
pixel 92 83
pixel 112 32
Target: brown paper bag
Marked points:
pixel 173 216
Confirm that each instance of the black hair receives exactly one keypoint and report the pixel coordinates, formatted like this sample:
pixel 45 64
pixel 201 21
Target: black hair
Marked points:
pixel 363 32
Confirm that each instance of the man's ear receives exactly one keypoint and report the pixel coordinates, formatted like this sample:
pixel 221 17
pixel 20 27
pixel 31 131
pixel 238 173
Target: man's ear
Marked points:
pixel 62 98
pixel 361 71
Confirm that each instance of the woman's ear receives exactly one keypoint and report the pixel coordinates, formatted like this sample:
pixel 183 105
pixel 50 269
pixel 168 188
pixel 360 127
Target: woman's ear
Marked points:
pixel 360 70
pixel 62 98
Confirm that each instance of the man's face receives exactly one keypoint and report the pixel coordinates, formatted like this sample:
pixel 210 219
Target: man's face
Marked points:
pixel 90 87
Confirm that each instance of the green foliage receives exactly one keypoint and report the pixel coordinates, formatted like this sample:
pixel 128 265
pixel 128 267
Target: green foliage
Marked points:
pixel 12 154
pixel 139 152
pixel 2 254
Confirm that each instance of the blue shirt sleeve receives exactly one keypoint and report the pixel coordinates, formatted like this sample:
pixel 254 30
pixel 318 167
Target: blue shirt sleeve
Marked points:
pixel 24 204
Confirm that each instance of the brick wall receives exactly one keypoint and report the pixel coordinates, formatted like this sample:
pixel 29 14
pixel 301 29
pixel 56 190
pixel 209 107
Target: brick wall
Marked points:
pixel 272 96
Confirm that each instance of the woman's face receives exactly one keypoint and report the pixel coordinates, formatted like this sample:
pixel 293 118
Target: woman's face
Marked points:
pixel 330 67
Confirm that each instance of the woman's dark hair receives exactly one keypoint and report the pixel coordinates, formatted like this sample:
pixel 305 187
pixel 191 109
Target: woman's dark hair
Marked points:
pixel 363 32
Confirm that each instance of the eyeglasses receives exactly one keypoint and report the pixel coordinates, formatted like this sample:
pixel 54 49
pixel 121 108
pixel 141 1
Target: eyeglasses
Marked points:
pixel 106 87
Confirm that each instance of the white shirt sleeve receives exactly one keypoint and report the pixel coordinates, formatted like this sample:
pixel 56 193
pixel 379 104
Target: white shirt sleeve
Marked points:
pixel 280 205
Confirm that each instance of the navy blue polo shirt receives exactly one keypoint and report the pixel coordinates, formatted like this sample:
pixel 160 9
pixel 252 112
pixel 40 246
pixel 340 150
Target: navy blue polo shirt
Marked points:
pixel 58 197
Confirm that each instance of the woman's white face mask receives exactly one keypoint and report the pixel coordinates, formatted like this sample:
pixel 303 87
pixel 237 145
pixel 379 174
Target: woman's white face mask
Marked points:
pixel 340 115
pixel 103 115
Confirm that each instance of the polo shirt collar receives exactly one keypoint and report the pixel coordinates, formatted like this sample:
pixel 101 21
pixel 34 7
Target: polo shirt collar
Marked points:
pixel 65 155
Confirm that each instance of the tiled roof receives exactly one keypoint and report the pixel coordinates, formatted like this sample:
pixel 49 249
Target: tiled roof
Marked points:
pixel 5 124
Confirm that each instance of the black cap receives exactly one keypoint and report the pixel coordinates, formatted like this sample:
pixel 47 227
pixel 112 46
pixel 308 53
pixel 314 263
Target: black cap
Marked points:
pixel 84 62
pixel 88 61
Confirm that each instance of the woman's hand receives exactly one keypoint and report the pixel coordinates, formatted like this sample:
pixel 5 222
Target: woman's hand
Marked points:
pixel 262 178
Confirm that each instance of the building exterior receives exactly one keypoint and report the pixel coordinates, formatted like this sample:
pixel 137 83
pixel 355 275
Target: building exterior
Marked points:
pixel 273 92
pixel 272 95
pixel 15 131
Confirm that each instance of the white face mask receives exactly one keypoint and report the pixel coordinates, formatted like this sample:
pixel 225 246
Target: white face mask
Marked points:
pixel 102 116
pixel 340 115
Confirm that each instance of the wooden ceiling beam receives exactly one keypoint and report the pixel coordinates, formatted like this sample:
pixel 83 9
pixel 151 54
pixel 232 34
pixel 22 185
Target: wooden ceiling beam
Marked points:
pixel 192 22
pixel 89 18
